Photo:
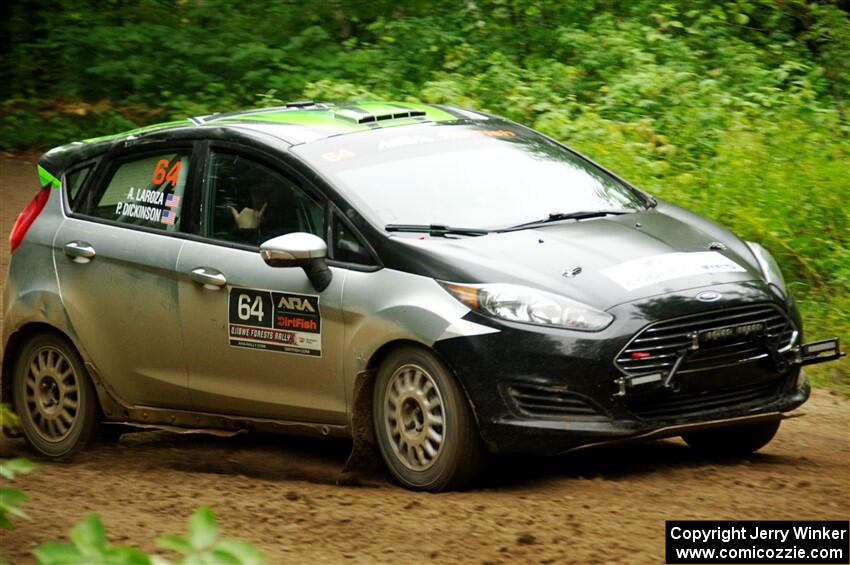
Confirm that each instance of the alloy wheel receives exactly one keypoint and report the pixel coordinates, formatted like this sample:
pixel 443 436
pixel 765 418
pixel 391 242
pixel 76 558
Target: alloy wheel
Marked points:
pixel 414 417
pixel 51 393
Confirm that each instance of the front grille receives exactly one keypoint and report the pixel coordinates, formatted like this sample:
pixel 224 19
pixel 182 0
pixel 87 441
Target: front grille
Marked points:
pixel 664 341
pixel 668 405
pixel 549 402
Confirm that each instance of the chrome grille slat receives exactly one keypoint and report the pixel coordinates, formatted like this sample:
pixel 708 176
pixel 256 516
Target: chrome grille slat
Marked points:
pixel 717 322
pixel 659 338
pixel 642 368
pixel 737 353
pixel 657 347
pixel 666 339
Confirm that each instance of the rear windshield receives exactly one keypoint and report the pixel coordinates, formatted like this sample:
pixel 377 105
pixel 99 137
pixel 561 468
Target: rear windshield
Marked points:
pixel 463 175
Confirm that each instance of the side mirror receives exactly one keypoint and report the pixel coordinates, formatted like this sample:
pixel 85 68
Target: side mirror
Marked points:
pixel 303 250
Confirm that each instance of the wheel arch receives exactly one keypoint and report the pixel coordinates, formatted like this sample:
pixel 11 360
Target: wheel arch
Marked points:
pixel 364 449
pixel 13 345
pixel 364 385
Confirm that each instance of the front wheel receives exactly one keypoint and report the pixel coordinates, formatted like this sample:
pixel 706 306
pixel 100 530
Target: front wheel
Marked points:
pixel 54 397
pixel 424 424
pixel 734 440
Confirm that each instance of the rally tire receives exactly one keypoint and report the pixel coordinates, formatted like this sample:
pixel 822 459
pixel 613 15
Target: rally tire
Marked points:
pixel 54 397
pixel 733 441
pixel 424 425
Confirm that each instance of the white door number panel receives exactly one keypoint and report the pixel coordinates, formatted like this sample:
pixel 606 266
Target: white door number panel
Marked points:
pixel 275 321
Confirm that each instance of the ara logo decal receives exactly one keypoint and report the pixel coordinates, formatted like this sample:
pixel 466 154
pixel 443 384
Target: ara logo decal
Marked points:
pixel 295 304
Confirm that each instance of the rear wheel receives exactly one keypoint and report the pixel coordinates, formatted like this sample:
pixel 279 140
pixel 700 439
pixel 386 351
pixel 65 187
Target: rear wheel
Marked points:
pixel 734 440
pixel 54 397
pixel 424 425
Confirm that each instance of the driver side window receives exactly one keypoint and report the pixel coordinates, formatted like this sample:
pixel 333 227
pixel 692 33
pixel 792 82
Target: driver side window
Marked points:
pixel 252 203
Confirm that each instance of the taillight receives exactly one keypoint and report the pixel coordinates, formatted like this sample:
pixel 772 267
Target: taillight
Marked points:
pixel 27 217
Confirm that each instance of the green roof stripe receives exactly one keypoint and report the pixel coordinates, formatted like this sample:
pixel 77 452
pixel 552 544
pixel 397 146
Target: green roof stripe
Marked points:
pixel 323 119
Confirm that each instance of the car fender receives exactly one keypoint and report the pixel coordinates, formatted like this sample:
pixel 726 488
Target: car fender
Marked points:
pixel 390 306
pixel 35 308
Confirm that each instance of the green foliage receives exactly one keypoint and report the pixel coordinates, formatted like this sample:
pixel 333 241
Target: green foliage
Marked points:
pixel 9 421
pixel 10 502
pixel 17 466
pixel 735 109
pixel 11 498
pixel 201 546
pixel 89 545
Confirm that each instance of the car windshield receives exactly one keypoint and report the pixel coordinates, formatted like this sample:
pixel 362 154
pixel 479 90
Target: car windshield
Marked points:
pixel 472 176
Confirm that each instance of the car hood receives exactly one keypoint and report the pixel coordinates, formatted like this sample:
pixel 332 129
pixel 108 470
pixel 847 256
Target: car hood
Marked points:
pixel 620 258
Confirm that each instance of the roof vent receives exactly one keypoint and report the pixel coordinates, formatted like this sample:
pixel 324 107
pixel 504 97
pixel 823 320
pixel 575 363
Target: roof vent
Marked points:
pixel 358 116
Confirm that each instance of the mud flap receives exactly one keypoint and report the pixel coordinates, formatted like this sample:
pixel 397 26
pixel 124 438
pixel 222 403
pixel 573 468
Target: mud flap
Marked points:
pixel 365 458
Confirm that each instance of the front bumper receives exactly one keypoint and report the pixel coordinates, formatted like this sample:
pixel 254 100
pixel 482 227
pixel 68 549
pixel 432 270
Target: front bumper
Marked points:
pixel 550 437
pixel 546 390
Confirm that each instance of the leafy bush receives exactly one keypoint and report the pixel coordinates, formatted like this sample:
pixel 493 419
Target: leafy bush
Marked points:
pixel 201 546
pixel 12 498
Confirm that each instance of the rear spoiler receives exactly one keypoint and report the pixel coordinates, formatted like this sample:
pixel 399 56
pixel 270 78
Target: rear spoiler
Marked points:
pixel 55 162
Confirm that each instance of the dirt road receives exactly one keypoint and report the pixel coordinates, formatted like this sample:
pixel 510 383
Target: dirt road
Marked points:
pixel 607 506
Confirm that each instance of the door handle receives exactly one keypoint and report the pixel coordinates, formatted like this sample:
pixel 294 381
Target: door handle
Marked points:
pixel 210 278
pixel 79 251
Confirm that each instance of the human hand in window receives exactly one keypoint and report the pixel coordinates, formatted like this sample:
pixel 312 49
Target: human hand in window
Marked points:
pixel 248 218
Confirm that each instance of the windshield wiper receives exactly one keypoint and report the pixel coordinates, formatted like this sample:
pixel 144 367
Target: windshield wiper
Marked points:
pixel 435 230
pixel 559 216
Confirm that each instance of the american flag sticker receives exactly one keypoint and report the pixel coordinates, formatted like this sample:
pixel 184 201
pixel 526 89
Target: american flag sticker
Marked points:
pixel 168 217
pixel 172 201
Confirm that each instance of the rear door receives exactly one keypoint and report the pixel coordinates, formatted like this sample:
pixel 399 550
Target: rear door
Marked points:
pixel 116 257
pixel 260 341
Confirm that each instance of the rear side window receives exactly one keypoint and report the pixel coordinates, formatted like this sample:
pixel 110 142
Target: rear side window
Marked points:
pixel 73 182
pixel 144 191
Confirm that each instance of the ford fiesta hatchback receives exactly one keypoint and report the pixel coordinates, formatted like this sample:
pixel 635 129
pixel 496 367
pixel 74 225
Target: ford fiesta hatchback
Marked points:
pixel 437 282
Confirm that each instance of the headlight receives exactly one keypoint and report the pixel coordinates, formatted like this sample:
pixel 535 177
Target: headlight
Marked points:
pixel 531 306
pixel 769 267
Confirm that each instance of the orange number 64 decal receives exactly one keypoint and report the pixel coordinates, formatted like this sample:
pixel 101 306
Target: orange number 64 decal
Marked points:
pixel 162 173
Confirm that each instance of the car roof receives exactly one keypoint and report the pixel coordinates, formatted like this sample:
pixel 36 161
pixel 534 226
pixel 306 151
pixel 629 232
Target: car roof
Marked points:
pixel 302 122
pixel 293 123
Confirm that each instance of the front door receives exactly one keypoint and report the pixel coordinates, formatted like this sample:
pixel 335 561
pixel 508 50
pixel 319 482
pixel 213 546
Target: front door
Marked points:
pixel 260 341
